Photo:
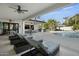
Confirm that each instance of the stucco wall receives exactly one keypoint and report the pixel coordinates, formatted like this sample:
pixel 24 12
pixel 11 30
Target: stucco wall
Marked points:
pixel 36 25
pixel 66 28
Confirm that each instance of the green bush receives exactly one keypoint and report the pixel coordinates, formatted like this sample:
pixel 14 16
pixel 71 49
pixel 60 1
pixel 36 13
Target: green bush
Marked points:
pixel 76 27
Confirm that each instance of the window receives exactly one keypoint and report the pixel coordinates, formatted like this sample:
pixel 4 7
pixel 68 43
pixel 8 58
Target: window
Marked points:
pixel 28 27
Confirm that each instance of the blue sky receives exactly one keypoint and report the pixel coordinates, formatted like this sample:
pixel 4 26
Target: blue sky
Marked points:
pixel 61 13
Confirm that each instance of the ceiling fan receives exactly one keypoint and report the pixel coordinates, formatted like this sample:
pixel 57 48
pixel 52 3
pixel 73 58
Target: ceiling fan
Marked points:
pixel 19 9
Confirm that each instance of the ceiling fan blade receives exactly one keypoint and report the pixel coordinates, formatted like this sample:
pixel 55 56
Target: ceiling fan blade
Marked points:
pixel 25 10
pixel 12 7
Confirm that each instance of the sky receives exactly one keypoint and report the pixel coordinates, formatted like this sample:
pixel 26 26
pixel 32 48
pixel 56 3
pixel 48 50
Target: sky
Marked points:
pixel 61 13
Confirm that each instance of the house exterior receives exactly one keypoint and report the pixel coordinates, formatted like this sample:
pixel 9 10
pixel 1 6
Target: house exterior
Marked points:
pixel 21 25
pixel 32 24
pixel 65 28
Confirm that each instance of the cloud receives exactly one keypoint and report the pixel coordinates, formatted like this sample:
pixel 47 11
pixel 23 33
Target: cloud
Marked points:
pixel 67 8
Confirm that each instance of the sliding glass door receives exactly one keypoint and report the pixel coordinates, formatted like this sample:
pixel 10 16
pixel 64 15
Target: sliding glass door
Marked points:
pixel 7 27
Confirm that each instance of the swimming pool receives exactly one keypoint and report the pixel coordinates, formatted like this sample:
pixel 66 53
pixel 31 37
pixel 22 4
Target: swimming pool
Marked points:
pixel 68 40
pixel 69 34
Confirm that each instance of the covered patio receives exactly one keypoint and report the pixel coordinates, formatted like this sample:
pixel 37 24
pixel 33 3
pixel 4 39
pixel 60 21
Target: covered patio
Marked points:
pixel 13 20
pixel 9 14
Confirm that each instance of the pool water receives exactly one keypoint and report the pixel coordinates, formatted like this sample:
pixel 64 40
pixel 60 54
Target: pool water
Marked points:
pixel 68 34
pixel 68 41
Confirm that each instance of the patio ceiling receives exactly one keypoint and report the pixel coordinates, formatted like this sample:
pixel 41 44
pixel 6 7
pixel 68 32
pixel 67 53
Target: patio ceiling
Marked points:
pixel 34 9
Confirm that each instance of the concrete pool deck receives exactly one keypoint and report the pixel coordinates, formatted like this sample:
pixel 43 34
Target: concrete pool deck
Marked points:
pixel 6 49
pixel 68 46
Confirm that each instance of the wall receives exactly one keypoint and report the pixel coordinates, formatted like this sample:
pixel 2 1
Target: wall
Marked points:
pixel 36 25
pixel 66 28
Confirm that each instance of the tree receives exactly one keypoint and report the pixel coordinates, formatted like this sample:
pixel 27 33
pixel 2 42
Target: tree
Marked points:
pixel 73 21
pixel 45 25
pixel 69 22
pixel 76 27
pixel 52 24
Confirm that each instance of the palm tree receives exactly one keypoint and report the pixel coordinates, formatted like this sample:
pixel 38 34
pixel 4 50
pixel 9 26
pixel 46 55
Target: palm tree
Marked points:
pixel 52 24
pixel 45 25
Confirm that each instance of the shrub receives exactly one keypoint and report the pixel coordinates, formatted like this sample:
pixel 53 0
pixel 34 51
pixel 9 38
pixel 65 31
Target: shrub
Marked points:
pixel 76 27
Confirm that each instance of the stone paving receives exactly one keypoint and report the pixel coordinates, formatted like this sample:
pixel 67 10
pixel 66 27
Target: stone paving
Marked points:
pixel 6 49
